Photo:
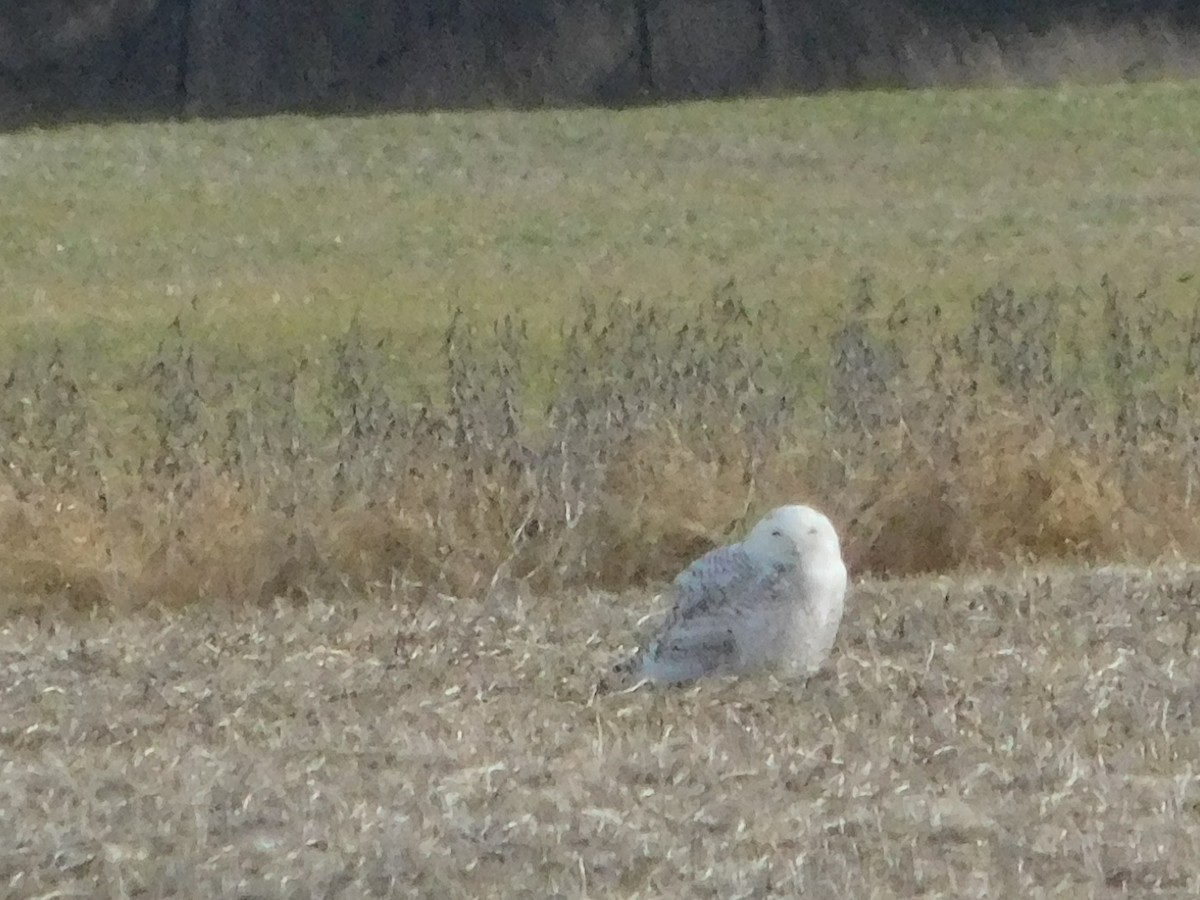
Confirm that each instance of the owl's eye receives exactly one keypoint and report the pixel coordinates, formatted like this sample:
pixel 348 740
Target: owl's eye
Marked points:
pixel 777 533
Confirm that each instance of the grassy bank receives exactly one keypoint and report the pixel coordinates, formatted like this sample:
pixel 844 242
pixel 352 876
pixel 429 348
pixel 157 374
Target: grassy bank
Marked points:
pixel 279 230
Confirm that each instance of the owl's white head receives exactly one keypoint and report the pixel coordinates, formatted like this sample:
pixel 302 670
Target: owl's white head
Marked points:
pixel 791 535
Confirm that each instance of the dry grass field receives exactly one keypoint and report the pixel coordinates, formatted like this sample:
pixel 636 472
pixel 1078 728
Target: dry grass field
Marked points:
pixel 1024 735
pixel 340 459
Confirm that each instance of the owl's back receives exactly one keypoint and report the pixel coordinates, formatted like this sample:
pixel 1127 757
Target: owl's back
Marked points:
pixel 730 613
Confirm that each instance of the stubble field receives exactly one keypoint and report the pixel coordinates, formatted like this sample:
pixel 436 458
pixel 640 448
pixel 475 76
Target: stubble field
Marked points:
pixel 342 458
pixel 1033 734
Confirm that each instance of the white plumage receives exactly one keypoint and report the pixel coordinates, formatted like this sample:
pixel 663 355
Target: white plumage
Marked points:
pixel 775 599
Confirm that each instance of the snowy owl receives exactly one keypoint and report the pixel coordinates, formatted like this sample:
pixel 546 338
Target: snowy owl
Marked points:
pixel 775 599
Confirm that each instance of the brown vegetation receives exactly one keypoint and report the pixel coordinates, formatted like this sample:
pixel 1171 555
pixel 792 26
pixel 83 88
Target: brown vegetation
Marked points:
pixel 1030 735
pixel 932 447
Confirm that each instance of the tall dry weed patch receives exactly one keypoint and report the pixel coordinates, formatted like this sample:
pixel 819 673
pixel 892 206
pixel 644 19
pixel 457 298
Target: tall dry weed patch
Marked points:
pixel 657 435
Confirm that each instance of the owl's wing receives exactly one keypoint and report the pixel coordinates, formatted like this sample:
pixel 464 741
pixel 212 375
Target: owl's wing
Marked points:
pixel 712 580
pixel 700 635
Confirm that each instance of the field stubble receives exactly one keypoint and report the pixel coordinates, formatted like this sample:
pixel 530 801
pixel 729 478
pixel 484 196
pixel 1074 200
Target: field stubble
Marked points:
pixel 1025 734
